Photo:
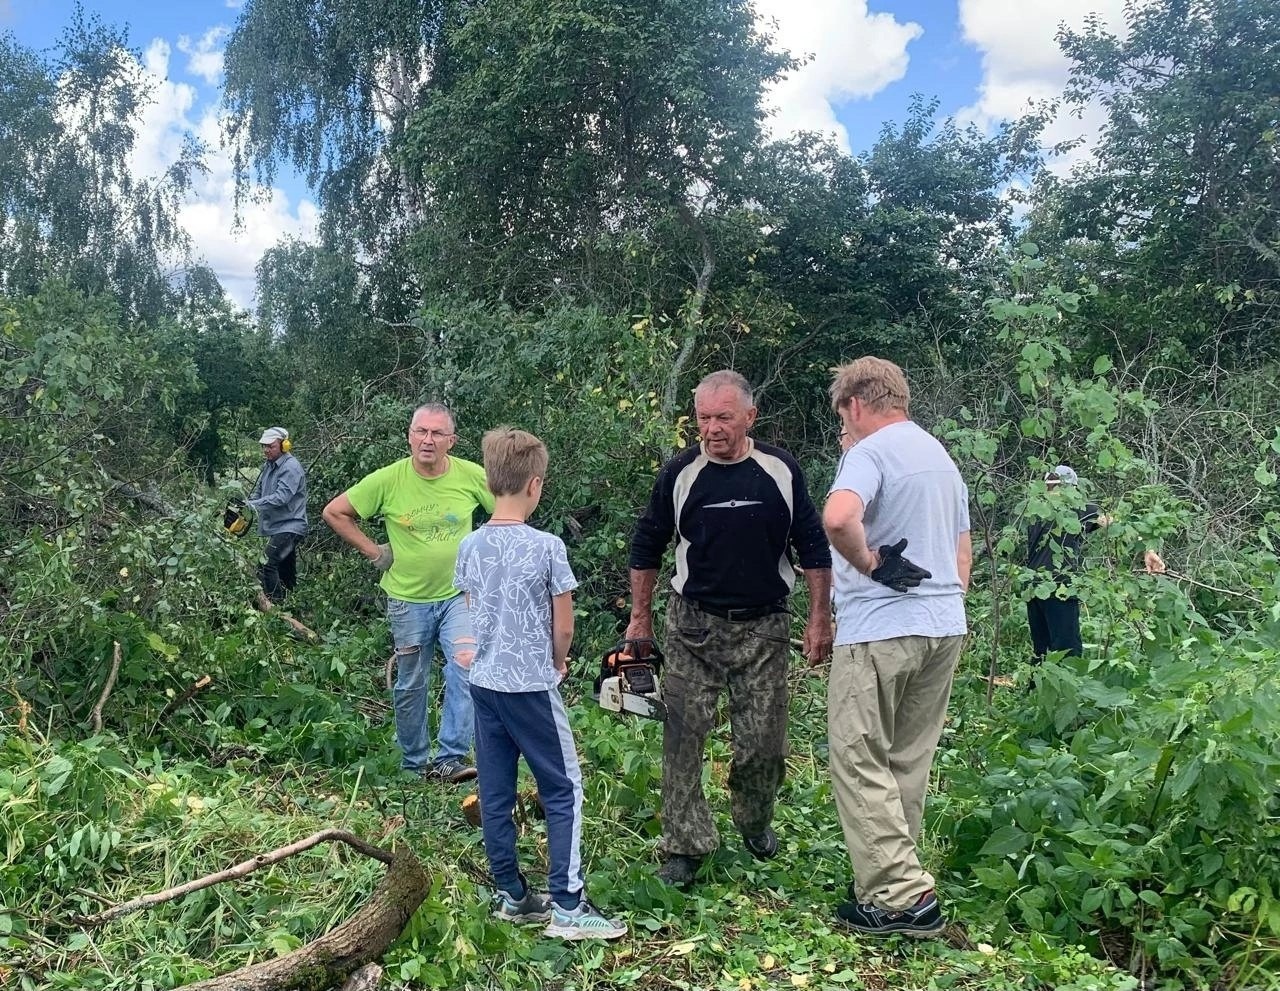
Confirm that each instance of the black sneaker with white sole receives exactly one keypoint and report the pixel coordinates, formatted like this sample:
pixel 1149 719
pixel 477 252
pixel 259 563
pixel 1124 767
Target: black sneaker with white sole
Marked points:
pixel 921 920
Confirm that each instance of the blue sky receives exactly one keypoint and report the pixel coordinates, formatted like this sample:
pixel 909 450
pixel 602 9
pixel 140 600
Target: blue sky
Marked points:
pixel 983 59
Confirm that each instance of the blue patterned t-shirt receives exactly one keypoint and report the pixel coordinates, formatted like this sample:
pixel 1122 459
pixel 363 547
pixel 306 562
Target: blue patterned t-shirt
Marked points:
pixel 510 573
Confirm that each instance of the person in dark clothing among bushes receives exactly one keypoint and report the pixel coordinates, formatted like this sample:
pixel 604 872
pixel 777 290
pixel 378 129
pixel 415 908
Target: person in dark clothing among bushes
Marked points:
pixel 1055 619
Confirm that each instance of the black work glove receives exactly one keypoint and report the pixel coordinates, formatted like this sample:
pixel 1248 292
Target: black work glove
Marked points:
pixel 896 571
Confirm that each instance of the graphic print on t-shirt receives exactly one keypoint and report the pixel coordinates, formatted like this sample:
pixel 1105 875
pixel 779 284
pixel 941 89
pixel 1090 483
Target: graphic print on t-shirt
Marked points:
pixel 429 522
pixel 510 574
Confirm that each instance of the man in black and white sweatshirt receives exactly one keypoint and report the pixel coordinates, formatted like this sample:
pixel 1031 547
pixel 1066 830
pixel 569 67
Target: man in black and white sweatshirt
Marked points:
pixel 737 510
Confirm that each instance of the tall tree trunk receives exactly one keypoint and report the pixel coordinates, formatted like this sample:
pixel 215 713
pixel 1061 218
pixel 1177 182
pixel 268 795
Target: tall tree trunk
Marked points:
pixel 692 313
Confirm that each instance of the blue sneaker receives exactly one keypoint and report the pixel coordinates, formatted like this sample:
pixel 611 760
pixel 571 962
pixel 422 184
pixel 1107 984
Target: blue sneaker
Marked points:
pixel 584 922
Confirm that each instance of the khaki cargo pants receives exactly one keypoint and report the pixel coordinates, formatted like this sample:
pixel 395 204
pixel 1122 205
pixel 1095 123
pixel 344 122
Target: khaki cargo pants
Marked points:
pixel 886 702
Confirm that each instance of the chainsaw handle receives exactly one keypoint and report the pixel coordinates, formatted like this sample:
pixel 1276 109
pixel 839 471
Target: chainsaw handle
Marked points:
pixel 639 648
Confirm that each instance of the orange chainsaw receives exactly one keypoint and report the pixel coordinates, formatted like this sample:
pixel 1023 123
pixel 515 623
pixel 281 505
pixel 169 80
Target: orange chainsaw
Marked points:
pixel 628 680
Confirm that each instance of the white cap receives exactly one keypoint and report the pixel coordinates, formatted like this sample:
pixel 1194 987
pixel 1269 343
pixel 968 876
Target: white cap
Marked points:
pixel 273 434
pixel 1063 474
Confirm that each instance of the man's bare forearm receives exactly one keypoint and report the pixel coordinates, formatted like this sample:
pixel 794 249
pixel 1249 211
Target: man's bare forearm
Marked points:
pixel 342 520
pixel 964 559
pixel 819 582
pixel 643 582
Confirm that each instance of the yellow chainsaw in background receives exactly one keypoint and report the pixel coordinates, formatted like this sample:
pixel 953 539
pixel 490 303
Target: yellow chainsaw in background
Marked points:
pixel 235 520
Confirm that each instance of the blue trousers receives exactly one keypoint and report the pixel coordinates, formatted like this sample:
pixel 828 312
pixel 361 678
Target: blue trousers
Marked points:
pixel 417 628
pixel 534 725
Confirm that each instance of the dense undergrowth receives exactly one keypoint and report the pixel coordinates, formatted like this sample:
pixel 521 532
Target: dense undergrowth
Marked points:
pixel 1120 809
pixel 1114 822
pixel 1111 823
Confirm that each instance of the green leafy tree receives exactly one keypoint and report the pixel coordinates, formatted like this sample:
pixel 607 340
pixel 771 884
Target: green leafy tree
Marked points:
pixel 70 205
pixel 1177 214
pixel 318 316
pixel 551 126
pixel 326 87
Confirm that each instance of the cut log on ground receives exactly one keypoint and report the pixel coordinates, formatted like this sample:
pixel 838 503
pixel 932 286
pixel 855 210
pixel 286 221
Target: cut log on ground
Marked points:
pixel 336 956
pixel 301 631
pixel 363 938
pixel 178 701
pixel 106 689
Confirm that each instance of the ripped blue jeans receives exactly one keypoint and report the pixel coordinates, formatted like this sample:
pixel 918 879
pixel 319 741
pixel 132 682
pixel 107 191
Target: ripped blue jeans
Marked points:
pixel 417 628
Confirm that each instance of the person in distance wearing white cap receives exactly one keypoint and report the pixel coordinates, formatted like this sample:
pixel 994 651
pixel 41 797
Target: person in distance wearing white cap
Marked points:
pixel 280 501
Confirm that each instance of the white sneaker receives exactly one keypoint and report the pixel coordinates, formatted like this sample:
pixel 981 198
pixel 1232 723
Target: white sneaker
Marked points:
pixel 583 922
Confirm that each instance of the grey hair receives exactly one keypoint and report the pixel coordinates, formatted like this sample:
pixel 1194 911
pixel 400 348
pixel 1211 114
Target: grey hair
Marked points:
pixel 434 408
pixel 727 379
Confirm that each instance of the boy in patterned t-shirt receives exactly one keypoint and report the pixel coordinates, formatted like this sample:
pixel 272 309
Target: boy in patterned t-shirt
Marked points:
pixel 519 590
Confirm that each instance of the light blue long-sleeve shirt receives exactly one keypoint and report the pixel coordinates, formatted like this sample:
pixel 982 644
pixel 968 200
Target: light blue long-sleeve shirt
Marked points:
pixel 280 497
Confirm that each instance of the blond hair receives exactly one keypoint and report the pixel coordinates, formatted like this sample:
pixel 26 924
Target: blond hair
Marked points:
pixel 877 383
pixel 511 458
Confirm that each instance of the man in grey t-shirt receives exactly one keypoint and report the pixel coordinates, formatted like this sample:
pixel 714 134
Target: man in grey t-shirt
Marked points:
pixel 900 624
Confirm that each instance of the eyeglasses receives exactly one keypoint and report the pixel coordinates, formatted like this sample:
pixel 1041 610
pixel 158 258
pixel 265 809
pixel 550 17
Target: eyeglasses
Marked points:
pixel 422 433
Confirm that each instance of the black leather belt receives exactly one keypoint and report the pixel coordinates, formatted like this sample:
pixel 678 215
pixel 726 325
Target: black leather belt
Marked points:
pixel 739 615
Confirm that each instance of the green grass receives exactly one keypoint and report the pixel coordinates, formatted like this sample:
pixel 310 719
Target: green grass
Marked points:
pixel 146 819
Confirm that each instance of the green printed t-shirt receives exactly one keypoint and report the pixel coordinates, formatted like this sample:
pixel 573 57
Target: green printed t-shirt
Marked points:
pixel 426 519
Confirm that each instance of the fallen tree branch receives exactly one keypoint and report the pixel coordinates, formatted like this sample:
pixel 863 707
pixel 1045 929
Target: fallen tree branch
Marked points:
pixel 305 632
pixel 151 500
pixel 238 871
pixel 178 701
pixel 106 689
pixel 1211 588
pixel 362 938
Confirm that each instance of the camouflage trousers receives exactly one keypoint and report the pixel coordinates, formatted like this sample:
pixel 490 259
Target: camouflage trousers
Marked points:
pixel 706 655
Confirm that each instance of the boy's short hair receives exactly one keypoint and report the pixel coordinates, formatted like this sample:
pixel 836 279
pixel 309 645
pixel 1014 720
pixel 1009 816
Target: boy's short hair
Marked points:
pixel 511 458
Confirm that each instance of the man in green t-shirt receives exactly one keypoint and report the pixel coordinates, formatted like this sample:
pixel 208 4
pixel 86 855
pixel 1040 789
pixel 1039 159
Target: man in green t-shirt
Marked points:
pixel 427 502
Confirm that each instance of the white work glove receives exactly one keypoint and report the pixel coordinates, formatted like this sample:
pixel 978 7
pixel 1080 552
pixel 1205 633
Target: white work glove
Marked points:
pixel 384 559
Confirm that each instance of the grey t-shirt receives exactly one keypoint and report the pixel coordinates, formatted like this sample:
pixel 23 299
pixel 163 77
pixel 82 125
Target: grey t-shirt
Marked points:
pixel 510 573
pixel 910 488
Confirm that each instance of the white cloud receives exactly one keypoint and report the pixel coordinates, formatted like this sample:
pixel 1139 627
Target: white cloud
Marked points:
pixel 235 4
pixel 1022 63
pixel 209 212
pixel 854 54
pixel 205 56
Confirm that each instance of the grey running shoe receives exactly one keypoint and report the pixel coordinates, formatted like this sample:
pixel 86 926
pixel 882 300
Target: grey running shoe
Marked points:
pixel 535 906
pixel 584 922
